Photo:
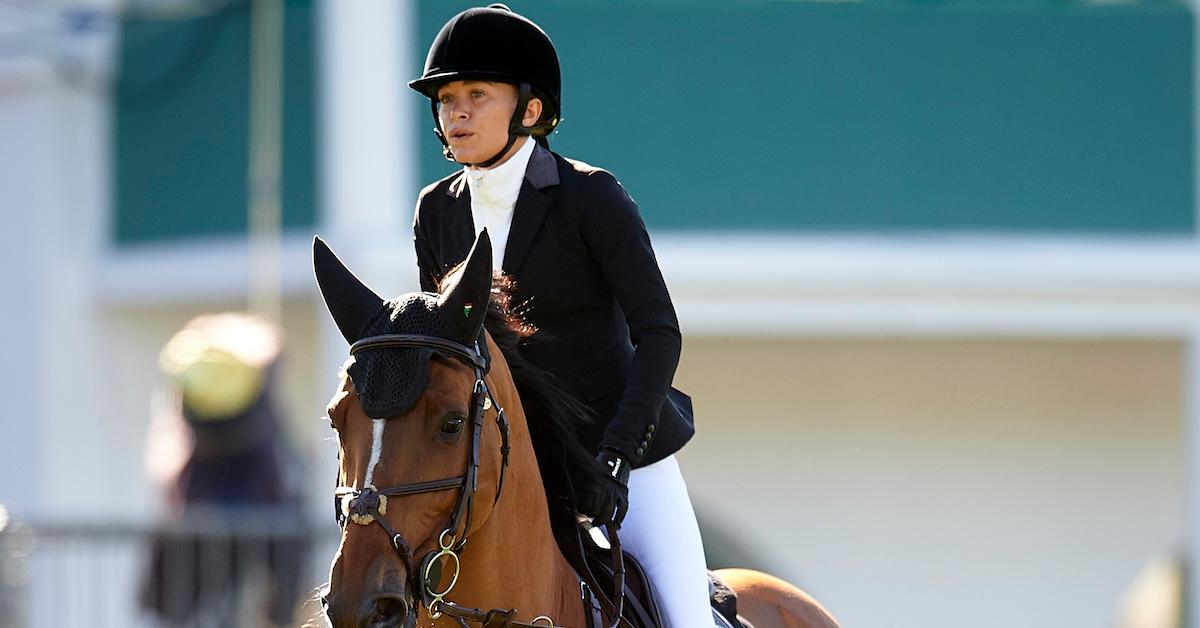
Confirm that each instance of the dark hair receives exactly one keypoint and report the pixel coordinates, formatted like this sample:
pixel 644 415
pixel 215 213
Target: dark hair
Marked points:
pixel 554 416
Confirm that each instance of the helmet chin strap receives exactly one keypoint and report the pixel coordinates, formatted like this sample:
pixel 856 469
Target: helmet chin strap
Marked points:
pixel 515 129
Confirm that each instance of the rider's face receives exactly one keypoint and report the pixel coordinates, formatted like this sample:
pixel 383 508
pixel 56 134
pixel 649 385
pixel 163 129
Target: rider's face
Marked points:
pixel 475 117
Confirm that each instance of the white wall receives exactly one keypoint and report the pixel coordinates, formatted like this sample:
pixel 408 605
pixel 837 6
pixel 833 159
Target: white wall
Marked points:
pixel 54 182
pixel 958 482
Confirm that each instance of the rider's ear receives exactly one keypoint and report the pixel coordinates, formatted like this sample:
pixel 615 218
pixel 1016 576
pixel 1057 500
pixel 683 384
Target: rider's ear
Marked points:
pixel 464 299
pixel 349 300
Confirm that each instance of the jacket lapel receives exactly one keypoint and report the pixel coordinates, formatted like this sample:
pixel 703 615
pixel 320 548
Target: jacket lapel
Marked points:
pixel 459 225
pixel 533 203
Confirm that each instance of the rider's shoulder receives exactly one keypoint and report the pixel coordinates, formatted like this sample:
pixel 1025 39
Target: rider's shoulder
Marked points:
pixel 436 196
pixel 591 179
pixel 441 186
pixel 581 168
pixel 596 186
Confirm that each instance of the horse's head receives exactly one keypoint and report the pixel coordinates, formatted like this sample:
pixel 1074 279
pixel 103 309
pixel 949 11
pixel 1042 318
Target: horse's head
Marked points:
pixel 419 437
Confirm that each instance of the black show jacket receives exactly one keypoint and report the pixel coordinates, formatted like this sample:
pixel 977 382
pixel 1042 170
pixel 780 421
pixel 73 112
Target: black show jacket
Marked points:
pixel 586 274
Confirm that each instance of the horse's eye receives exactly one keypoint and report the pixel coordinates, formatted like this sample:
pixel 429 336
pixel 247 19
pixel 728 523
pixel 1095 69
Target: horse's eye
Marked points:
pixel 453 425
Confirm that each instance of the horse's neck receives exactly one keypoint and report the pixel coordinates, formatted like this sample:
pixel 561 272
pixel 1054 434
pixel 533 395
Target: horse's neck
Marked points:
pixel 525 566
pixel 513 556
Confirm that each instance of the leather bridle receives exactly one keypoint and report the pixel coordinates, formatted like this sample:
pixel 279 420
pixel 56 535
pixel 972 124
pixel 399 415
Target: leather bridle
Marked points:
pixel 368 504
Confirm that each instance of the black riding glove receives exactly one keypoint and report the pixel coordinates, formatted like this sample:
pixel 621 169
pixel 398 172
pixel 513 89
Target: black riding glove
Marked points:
pixel 607 499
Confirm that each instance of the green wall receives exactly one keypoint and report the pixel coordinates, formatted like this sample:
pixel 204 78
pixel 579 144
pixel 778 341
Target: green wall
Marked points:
pixel 182 115
pixel 879 116
pixel 1025 116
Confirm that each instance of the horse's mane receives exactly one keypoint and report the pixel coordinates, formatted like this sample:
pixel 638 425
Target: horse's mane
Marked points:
pixel 553 415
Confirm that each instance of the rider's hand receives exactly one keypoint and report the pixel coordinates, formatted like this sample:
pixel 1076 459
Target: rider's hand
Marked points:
pixel 607 499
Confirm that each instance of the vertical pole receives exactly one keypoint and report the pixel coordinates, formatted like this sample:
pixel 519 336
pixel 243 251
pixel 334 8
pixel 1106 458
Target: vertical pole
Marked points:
pixel 366 163
pixel 1191 585
pixel 264 209
pixel 1190 603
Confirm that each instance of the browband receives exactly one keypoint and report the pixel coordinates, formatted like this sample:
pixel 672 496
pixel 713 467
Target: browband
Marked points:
pixel 474 357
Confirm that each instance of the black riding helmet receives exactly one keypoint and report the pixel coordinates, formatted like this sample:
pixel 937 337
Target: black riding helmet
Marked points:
pixel 495 44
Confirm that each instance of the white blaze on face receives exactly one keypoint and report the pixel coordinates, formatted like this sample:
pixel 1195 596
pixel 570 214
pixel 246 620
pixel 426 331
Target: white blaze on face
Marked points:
pixel 377 426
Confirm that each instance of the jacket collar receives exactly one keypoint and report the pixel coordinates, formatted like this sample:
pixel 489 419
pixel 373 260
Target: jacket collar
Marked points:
pixel 543 169
pixel 541 173
pixel 533 203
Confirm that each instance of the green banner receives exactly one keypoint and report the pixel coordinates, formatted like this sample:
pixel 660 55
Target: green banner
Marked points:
pixel 182 115
pixel 875 116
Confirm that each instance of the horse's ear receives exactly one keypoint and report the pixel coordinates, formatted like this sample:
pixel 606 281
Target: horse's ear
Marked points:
pixel 350 301
pixel 464 300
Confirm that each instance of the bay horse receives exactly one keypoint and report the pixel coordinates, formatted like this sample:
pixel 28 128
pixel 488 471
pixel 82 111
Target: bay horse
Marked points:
pixel 427 393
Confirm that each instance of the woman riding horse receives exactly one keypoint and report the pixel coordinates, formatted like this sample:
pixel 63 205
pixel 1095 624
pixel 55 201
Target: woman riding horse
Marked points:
pixel 445 432
pixel 575 244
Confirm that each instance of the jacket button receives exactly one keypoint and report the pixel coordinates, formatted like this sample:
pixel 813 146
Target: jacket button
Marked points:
pixel 650 429
pixel 639 451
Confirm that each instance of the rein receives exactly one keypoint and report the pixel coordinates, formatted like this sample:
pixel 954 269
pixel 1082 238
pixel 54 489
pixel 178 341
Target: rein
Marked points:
pixel 368 504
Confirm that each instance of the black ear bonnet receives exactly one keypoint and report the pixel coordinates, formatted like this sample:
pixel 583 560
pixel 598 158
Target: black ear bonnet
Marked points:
pixel 389 381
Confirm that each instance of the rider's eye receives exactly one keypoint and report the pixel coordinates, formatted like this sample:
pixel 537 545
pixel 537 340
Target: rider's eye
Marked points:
pixel 453 425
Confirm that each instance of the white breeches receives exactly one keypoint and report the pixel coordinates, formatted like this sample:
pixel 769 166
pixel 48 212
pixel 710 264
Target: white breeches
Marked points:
pixel 660 531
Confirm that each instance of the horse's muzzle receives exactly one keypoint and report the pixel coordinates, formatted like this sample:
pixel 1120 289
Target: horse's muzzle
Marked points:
pixel 383 610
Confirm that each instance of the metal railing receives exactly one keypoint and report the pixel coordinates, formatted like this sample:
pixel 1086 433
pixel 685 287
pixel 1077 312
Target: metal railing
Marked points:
pixel 228 569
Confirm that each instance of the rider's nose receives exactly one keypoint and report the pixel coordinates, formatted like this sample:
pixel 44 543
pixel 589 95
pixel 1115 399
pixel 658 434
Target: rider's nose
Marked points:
pixel 387 610
pixel 454 111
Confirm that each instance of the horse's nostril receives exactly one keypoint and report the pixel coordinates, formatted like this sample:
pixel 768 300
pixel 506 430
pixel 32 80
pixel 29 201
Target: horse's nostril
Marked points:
pixel 387 610
pixel 389 607
pixel 327 604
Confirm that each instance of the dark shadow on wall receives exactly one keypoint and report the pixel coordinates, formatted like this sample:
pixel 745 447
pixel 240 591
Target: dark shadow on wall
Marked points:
pixel 725 546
